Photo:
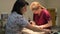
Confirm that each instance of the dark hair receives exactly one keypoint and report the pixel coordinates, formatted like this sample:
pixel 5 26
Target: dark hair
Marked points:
pixel 19 4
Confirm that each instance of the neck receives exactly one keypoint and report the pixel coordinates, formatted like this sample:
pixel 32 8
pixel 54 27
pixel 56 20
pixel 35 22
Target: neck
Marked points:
pixel 20 13
pixel 39 11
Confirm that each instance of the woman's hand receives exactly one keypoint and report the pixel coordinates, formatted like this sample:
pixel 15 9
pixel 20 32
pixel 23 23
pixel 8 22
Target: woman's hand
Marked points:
pixel 32 23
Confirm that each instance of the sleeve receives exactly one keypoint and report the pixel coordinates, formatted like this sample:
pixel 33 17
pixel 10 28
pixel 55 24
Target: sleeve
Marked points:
pixel 47 15
pixel 22 22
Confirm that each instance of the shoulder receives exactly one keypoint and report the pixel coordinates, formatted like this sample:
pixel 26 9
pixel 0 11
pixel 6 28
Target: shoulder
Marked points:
pixel 14 16
pixel 45 11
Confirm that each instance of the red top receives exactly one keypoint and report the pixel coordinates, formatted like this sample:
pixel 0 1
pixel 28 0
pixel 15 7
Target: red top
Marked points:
pixel 43 18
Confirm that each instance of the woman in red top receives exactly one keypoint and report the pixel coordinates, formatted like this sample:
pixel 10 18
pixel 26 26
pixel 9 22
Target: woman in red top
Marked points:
pixel 41 16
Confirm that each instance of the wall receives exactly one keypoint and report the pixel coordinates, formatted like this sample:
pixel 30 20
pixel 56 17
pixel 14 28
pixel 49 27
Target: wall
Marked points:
pixel 6 6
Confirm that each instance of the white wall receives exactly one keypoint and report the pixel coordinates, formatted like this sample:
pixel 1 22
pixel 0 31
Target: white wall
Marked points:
pixel 6 6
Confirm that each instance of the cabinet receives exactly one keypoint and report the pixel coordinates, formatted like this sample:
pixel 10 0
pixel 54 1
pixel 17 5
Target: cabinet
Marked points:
pixel 53 13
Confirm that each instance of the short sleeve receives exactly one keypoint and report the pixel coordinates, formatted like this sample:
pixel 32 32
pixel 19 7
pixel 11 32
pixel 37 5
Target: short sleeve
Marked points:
pixel 22 21
pixel 47 15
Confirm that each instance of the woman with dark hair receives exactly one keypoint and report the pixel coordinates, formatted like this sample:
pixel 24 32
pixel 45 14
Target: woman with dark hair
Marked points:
pixel 19 4
pixel 16 22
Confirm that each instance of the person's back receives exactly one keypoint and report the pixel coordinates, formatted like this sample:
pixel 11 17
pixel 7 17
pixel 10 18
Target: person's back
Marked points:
pixel 13 25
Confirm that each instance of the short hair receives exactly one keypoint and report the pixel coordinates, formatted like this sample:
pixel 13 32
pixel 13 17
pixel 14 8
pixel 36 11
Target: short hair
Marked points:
pixel 19 4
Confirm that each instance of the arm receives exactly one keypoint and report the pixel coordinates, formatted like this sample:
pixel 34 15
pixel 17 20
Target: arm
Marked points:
pixel 49 24
pixel 33 27
pixel 37 28
pixel 48 18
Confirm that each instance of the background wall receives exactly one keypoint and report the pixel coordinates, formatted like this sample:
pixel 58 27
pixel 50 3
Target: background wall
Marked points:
pixel 6 7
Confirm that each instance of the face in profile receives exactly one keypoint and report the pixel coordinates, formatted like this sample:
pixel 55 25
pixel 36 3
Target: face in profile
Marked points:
pixel 35 7
pixel 36 10
pixel 24 9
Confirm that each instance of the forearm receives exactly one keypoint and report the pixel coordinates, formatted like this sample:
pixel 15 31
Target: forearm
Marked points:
pixel 36 28
pixel 45 26
pixel 44 30
pixel 33 27
pixel 49 24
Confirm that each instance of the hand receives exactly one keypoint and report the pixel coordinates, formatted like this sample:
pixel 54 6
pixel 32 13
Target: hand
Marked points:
pixel 41 27
pixel 32 22
pixel 46 30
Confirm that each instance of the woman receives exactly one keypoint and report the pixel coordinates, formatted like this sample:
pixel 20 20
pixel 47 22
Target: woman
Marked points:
pixel 41 16
pixel 16 22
